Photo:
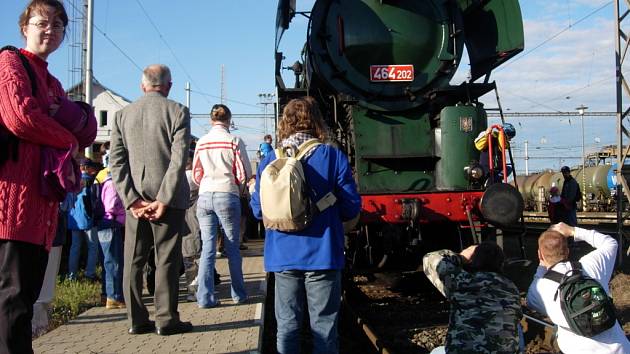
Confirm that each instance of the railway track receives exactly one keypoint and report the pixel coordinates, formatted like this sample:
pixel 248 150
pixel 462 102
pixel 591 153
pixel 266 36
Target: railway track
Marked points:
pixel 590 218
pixel 403 313
pixel 398 313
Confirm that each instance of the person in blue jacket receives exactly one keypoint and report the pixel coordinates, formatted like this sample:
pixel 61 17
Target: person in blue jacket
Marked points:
pixel 265 147
pixel 307 264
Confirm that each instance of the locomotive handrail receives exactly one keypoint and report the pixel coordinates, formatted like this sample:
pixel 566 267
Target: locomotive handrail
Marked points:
pixel 502 142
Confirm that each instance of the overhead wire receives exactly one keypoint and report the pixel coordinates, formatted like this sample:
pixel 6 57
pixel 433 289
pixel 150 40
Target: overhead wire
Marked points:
pixel 226 99
pixel 111 41
pixel 554 36
pixel 205 95
pixel 157 30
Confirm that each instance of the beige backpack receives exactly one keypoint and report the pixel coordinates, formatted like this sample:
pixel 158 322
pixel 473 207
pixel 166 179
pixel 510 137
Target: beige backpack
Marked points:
pixel 284 199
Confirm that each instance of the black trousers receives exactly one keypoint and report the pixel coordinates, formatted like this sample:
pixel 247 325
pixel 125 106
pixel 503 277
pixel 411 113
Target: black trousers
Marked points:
pixel 22 269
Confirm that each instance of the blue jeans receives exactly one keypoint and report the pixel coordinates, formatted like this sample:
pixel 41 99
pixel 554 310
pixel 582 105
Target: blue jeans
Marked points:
pixel 112 244
pixel 75 253
pixel 322 290
pixel 214 208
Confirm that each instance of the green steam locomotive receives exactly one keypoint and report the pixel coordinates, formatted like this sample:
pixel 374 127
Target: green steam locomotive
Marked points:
pixel 381 72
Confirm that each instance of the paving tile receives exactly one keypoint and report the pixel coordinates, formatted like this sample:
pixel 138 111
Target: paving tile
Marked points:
pixel 225 328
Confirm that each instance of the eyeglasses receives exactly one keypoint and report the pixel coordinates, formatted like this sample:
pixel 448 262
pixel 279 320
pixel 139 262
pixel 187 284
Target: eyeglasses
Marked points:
pixel 43 25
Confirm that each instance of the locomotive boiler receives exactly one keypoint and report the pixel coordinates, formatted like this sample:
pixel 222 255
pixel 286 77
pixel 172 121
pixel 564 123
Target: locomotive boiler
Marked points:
pixel 381 72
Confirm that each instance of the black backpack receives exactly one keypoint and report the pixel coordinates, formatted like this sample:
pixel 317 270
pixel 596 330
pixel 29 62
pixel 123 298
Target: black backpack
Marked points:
pixel 94 203
pixel 585 305
pixel 8 142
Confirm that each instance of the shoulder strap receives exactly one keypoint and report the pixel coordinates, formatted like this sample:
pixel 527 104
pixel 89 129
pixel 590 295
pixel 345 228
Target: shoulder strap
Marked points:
pixel 27 66
pixel 280 153
pixel 576 267
pixel 553 276
pixel 306 147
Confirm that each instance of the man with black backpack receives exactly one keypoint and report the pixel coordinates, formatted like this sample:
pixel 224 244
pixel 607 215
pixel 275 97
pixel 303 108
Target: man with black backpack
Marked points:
pixel 575 295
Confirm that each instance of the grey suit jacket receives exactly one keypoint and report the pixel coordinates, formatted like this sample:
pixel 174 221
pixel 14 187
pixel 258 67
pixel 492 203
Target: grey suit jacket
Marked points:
pixel 149 149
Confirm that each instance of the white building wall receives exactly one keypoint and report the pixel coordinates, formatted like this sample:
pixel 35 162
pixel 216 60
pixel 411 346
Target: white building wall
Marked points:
pixel 106 104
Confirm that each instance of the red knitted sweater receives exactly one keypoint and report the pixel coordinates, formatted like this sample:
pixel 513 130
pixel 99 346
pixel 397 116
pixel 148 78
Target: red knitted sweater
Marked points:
pixel 24 214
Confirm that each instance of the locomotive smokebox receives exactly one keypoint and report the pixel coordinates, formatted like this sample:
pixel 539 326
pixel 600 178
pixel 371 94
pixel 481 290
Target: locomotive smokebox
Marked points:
pixel 502 204
pixel 385 53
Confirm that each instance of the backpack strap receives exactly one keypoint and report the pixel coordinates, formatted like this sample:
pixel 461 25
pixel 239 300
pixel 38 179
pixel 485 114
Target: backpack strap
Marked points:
pixel 306 147
pixel 303 150
pixel 26 64
pixel 553 276
pixel 280 153
pixel 558 277
pixel 9 141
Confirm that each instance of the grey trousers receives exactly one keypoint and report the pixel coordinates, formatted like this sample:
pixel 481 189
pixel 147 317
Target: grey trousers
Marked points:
pixel 140 235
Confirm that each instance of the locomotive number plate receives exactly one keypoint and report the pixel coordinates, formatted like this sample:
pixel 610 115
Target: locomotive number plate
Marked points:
pixel 387 73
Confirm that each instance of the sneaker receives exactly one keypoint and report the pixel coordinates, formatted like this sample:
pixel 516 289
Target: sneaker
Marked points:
pixel 191 298
pixel 242 247
pixel 113 304
pixel 195 281
pixel 219 254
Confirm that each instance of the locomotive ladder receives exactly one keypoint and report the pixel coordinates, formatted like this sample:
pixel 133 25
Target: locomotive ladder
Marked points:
pixel 523 228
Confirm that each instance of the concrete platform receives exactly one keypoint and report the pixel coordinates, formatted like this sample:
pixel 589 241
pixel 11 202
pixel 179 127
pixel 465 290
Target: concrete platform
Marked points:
pixel 228 328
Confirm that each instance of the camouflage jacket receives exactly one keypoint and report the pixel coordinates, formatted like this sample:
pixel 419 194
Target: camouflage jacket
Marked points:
pixel 485 306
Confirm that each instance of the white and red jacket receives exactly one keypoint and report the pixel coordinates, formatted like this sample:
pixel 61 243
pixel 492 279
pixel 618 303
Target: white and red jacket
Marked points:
pixel 220 163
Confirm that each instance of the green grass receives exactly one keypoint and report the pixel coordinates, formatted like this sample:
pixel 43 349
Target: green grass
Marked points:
pixel 72 298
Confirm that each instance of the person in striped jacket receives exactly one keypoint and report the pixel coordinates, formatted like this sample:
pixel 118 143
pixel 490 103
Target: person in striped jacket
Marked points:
pixel 221 168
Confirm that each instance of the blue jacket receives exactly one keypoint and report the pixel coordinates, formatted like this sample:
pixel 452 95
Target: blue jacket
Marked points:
pixel 79 217
pixel 321 245
pixel 265 149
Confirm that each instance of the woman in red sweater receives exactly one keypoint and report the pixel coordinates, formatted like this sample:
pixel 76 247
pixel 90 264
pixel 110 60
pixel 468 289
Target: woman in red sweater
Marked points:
pixel 37 116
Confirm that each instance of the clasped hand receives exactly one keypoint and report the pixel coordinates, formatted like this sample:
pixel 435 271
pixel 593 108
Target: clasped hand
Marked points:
pixel 151 211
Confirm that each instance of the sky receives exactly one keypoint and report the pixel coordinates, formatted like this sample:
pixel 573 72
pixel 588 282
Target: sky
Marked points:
pixel 568 61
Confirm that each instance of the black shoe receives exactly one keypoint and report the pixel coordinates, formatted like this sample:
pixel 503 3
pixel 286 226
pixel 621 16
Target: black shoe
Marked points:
pixel 217 277
pixel 142 329
pixel 181 327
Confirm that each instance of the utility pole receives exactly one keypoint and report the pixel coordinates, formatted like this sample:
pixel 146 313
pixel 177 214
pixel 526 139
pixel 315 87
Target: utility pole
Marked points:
pixel 187 89
pixel 88 62
pixel 581 110
pixel 526 158
pixel 266 99
pixel 621 113
pixel 223 84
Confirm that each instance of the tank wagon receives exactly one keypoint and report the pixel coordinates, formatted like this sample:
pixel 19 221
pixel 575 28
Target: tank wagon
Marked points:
pixel 381 72
pixel 598 185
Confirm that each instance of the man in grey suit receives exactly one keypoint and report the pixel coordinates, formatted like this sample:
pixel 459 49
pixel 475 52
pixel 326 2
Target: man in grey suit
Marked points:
pixel 149 148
